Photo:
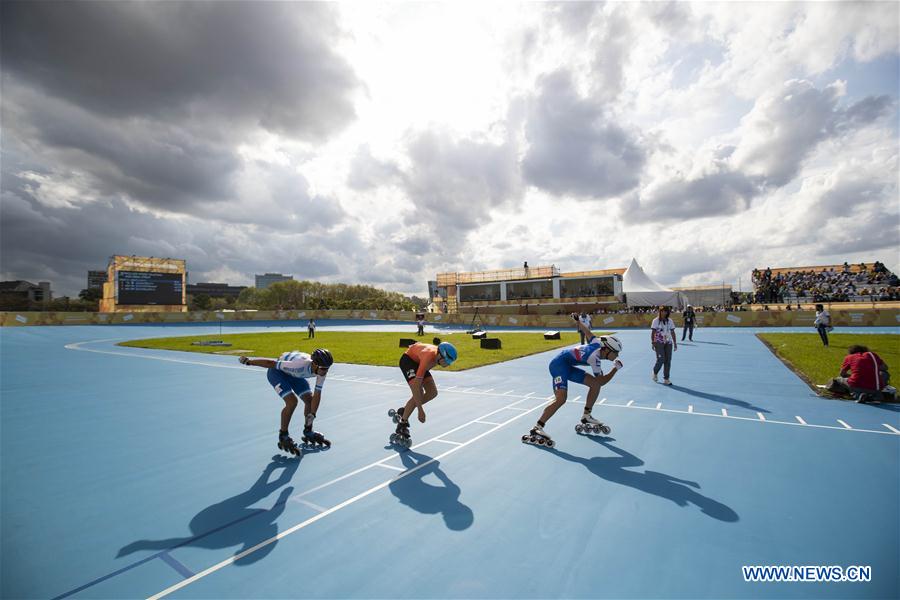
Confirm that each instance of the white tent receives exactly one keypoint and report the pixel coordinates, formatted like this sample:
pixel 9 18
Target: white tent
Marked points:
pixel 640 290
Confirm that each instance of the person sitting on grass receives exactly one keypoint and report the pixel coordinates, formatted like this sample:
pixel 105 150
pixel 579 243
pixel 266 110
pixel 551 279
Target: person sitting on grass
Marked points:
pixel 863 375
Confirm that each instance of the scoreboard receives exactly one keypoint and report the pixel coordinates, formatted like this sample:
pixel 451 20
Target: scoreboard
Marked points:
pixel 140 287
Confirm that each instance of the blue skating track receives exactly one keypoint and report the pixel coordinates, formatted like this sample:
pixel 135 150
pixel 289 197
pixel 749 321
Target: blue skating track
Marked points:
pixel 130 473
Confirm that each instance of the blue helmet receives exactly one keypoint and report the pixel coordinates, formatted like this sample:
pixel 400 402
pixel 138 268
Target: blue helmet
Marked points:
pixel 448 351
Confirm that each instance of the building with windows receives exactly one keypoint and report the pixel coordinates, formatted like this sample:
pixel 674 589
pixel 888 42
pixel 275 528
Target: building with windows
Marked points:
pixel 26 292
pixel 533 290
pixel 264 281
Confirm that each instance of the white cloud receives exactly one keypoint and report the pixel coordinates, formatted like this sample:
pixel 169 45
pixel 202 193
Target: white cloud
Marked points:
pixel 401 140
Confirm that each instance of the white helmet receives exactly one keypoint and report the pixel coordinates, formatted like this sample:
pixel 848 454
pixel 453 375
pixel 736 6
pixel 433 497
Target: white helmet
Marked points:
pixel 612 343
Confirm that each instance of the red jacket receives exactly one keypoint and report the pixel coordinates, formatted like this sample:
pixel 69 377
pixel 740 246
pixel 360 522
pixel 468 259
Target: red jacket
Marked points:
pixel 864 370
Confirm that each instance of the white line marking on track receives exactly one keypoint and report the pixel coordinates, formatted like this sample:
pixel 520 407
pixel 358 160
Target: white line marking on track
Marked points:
pixel 576 398
pixel 487 391
pixel 313 506
pixel 844 424
pixel 331 510
pixel 724 413
pixel 443 441
pixel 353 378
pixel 517 408
pixel 392 467
pixel 483 422
pixel 630 402
pixel 800 419
pixel 529 394
pixel 891 428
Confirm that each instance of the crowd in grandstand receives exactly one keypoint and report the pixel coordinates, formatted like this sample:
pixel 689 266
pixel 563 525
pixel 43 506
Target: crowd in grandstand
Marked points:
pixel 846 284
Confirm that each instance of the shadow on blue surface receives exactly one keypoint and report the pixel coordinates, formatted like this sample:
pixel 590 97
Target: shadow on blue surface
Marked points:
pixel 713 343
pixel 615 470
pixel 214 526
pixel 717 398
pixel 429 499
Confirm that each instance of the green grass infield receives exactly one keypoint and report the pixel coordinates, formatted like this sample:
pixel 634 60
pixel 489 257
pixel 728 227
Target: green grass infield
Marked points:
pixel 364 348
pixel 804 353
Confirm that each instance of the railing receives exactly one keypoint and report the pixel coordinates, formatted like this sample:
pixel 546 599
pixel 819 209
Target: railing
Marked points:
pixel 445 279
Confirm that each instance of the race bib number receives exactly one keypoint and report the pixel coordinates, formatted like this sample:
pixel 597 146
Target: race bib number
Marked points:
pixel 411 374
pixel 557 379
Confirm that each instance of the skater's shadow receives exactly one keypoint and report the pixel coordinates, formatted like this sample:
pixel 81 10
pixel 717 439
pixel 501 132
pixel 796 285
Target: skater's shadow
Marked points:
pixel 615 469
pixel 717 398
pixel 713 343
pixel 232 522
pixel 416 493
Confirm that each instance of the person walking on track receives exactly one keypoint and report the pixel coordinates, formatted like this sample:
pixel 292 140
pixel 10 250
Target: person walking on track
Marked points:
pixel 663 341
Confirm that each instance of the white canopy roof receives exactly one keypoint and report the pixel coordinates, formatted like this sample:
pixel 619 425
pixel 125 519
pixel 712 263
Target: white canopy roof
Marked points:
pixel 640 290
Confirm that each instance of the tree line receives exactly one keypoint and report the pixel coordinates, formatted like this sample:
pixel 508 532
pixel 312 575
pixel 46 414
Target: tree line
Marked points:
pixel 312 295
pixel 284 295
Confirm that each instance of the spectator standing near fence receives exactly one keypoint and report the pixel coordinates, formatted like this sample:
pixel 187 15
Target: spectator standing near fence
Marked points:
pixel 311 329
pixel 420 325
pixel 664 342
pixel 689 318
pixel 823 323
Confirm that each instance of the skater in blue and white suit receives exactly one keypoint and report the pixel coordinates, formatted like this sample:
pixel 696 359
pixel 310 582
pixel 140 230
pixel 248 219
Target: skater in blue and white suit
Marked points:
pixel 565 368
pixel 288 375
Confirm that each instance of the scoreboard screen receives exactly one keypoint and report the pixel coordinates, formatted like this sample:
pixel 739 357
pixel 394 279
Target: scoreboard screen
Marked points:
pixel 137 287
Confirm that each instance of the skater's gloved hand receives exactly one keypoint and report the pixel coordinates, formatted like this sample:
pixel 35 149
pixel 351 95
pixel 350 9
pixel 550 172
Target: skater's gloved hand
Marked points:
pixel 618 364
pixel 421 416
pixel 244 360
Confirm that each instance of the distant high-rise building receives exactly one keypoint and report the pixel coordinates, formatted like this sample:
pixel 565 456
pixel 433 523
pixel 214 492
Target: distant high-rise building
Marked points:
pixel 96 279
pixel 264 281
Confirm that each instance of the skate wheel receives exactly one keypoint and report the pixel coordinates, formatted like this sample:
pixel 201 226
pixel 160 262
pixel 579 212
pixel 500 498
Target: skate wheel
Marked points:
pixel 550 443
pixel 596 429
pixel 524 439
pixel 605 429
pixel 540 442
pixel 393 438
pixel 392 412
pixel 579 428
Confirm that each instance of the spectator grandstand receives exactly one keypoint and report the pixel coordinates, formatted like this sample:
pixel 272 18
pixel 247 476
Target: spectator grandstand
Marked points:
pixel 828 283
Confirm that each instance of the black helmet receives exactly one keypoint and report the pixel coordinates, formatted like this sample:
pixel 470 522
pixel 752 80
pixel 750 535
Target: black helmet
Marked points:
pixel 322 357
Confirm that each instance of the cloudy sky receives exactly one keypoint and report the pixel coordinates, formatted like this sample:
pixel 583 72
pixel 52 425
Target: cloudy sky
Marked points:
pixel 383 143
